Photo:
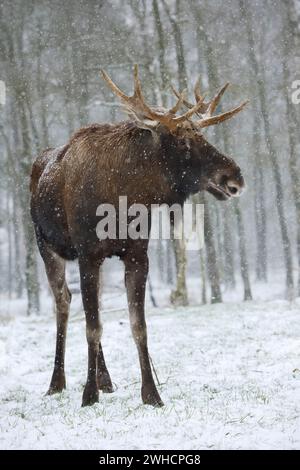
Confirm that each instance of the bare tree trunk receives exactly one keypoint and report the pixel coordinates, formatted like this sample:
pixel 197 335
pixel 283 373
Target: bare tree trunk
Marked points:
pixel 161 49
pixel 42 95
pixel 271 150
pixel 241 235
pixel 259 208
pixel 13 226
pixel 213 75
pixel 289 48
pixel 163 84
pixel 21 108
pixel 169 262
pixel 181 67
pixel 199 199
pixel 213 261
pixel 179 296
pixel 10 244
pixel 219 238
pixel 243 253
pixel 17 251
pixel 229 275
pixel 203 278
pixel 31 269
pixel 211 255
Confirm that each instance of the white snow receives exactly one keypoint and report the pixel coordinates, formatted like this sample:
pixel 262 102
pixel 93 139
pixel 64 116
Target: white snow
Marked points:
pixel 229 373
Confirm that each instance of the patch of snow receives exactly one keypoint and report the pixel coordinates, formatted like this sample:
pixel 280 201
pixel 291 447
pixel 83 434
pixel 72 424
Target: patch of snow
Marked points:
pixel 229 373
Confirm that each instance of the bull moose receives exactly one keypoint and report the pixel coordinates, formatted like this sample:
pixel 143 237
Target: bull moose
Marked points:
pixel 155 157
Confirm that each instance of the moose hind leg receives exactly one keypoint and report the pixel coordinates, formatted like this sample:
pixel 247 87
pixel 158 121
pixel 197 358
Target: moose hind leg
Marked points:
pixel 135 279
pixel 55 269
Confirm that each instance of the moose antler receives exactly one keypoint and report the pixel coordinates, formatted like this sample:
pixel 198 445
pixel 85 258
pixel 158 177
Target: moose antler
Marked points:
pixel 149 117
pixel 198 97
pixel 207 109
pixel 144 115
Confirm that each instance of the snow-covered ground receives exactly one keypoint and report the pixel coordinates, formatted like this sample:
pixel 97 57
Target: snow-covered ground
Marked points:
pixel 229 373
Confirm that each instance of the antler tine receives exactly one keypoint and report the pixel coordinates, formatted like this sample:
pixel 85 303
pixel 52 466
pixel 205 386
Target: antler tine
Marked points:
pixel 135 103
pixel 190 112
pixel 211 120
pixel 180 102
pixel 197 91
pixel 215 101
pixel 184 102
pixel 120 93
pixel 189 105
pixel 137 83
pixel 138 100
pixel 114 87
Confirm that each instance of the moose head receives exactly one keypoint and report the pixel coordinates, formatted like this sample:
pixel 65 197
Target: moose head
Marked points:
pixel 190 160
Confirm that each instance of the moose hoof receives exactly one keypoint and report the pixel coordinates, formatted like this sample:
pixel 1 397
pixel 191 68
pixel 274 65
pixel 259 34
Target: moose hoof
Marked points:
pixel 107 388
pixel 105 384
pixel 90 396
pixel 54 390
pixel 152 398
pixel 57 385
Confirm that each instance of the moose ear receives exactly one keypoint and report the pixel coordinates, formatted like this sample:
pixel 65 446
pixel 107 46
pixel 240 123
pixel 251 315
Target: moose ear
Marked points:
pixel 147 125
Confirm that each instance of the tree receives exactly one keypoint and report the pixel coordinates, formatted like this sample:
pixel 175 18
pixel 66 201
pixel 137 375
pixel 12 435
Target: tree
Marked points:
pixel 260 80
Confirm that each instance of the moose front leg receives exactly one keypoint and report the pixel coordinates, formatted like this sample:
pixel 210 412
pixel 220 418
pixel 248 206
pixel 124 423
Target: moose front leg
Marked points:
pixel 89 281
pixel 103 377
pixel 136 272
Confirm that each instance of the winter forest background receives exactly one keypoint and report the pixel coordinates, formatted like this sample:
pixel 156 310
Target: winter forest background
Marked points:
pixel 51 54
pixel 228 370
